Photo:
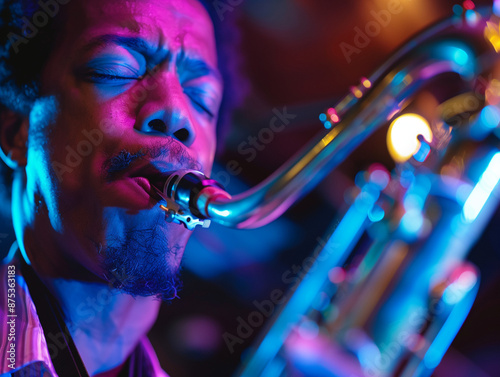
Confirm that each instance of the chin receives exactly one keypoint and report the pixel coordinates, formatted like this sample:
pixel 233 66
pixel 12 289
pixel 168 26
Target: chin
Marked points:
pixel 142 255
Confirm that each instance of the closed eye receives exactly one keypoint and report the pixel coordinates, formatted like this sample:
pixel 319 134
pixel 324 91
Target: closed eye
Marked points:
pixel 201 100
pixel 96 76
pixel 101 71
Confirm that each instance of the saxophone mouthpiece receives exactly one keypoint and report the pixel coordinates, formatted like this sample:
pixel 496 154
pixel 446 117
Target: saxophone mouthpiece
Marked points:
pixel 185 195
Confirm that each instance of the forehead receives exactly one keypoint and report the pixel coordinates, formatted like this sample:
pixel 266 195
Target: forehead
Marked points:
pixel 171 24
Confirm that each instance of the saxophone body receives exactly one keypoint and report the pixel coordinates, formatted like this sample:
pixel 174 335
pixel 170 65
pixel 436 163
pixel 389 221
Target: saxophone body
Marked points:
pixel 390 286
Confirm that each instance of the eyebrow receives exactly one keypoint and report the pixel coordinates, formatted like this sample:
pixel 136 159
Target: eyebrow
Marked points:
pixel 134 43
pixel 194 67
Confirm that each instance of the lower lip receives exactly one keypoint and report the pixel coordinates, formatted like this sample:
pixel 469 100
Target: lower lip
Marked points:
pixel 131 193
pixel 143 183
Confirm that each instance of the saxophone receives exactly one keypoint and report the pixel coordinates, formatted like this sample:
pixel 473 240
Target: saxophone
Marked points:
pixel 390 287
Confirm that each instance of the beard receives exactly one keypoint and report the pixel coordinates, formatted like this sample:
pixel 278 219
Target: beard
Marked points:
pixel 139 262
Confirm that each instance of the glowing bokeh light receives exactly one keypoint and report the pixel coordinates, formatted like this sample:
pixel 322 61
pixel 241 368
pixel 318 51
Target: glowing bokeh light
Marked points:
pixel 458 10
pixel 492 31
pixel 376 214
pixel 460 56
pixel 366 83
pixel 469 4
pixel 308 329
pixel 472 17
pixel 336 275
pixel 379 175
pixel 496 7
pixel 402 137
pixel 357 93
pixel 322 117
pixel 482 191
pixel 490 117
pixel 412 222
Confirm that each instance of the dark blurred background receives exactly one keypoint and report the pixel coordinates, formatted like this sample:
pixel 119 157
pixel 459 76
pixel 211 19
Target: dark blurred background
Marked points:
pixel 292 57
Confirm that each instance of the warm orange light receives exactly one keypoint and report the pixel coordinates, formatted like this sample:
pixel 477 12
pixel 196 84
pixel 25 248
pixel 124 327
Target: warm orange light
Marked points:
pixel 492 34
pixel 366 83
pixel 402 137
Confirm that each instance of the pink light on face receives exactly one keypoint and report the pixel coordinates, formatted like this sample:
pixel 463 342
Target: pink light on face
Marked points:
pixel 141 121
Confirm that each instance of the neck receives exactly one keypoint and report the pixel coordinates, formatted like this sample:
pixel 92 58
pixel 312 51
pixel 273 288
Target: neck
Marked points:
pixel 106 324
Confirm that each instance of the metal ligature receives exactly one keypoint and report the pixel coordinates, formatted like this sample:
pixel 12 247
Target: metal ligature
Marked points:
pixel 390 287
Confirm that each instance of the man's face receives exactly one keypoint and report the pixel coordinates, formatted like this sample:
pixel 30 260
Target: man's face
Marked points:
pixel 130 90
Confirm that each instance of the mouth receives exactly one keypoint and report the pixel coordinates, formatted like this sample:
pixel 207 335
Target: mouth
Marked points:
pixel 143 183
pixel 151 179
pixel 134 189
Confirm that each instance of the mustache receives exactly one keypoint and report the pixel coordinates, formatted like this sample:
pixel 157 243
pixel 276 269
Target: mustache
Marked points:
pixel 173 153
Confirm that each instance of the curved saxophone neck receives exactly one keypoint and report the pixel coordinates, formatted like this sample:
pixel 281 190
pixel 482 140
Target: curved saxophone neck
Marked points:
pixel 356 117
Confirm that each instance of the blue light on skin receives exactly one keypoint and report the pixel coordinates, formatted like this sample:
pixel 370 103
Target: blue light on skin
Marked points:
pixel 44 111
pixel 126 61
pixel 482 191
pixel 11 253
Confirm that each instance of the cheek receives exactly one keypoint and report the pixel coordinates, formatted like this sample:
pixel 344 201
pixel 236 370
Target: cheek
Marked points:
pixel 41 182
pixel 205 144
pixel 84 135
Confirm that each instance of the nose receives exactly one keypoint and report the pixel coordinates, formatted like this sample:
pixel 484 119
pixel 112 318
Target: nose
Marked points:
pixel 166 112
pixel 170 123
